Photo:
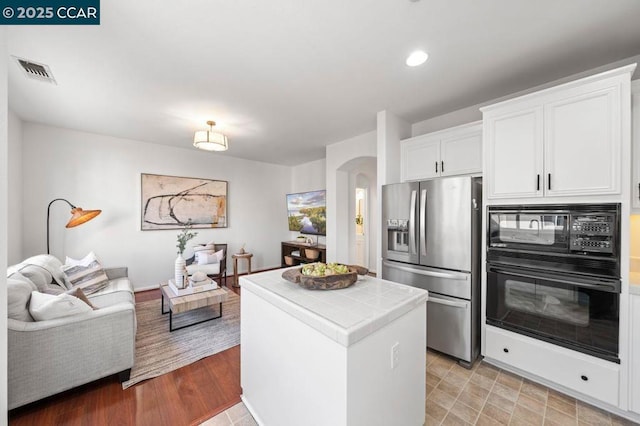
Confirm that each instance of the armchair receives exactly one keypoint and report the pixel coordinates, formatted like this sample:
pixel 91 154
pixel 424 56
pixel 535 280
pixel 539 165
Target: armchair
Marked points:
pixel 216 271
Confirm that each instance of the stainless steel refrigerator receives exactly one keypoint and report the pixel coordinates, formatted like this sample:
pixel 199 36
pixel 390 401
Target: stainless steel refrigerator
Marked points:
pixel 431 240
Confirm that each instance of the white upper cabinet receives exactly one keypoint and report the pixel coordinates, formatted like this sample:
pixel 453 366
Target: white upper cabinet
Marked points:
pixel 455 151
pixel 420 158
pixel 462 154
pixel 635 135
pixel 514 162
pixel 583 143
pixel 563 141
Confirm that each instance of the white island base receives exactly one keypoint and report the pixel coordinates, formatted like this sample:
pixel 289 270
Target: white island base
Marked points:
pixel 300 367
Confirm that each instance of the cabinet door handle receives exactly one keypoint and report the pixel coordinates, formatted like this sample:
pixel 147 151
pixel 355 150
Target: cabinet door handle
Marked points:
pixel 506 350
pixel 538 182
pixel 436 167
pixel 639 190
pixel 585 378
pixel 549 180
pixel 442 166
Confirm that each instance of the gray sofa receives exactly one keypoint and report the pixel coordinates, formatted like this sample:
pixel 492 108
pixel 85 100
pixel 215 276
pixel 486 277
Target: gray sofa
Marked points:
pixel 51 356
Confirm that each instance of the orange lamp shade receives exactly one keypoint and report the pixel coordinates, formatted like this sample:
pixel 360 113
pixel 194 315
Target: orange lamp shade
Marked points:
pixel 79 216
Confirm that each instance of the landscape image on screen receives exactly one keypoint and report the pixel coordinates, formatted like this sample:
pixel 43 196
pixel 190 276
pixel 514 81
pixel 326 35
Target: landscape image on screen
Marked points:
pixel 308 212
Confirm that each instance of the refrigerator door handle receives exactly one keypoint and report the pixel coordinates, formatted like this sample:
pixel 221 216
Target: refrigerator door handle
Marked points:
pixel 412 223
pixel 447 275
pixel 423 222
pixel 463 305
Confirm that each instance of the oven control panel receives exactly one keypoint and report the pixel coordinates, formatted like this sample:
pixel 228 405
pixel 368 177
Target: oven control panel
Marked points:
pixel 591 244
pixel 593 232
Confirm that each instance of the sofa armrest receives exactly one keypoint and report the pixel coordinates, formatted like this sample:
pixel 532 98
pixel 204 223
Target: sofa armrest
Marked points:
pixel 114 273
pixel 79 349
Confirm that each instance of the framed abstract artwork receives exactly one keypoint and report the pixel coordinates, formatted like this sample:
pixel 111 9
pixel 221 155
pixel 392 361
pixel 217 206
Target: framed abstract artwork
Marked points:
pixel 171 202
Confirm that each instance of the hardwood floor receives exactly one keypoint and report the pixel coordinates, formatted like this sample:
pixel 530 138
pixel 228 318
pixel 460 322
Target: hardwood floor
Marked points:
pixel 187 396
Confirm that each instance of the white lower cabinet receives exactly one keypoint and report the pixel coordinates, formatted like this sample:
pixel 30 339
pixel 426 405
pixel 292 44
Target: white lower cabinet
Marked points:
pixel 590 376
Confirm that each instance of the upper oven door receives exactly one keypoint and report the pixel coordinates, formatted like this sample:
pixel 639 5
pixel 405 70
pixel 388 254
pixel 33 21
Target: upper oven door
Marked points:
pixel 535 230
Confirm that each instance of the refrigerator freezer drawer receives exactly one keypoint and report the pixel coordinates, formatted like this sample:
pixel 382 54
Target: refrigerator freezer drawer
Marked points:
pixel 449 326
pixel 442 281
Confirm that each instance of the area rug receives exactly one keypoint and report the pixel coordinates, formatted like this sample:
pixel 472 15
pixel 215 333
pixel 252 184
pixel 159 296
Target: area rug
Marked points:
pixel 159 351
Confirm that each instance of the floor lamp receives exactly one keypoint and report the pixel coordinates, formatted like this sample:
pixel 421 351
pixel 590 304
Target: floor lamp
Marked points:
pixel 78 216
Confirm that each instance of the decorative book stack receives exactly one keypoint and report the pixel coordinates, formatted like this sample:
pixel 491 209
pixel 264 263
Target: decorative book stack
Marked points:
pixel 208 285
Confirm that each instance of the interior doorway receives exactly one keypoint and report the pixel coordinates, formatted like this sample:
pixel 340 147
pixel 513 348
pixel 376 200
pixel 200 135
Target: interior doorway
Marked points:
pixel 355 244
pixel 361 222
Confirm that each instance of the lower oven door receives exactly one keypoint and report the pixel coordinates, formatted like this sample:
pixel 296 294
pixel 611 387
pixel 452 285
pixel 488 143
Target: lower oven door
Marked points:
pixel 576 312
pixel 449 326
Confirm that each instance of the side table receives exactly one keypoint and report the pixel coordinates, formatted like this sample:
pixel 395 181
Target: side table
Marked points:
pixel 235 258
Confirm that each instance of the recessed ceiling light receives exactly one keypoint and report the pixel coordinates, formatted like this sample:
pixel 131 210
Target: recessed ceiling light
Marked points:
pixel 417 58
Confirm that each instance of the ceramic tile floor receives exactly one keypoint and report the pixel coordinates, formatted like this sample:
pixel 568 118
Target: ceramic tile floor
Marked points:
pixel 483 395
pixel 486 395
pixel 238 415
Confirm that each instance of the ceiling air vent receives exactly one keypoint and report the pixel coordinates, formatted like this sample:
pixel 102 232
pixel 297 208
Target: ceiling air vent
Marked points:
pixel 36 71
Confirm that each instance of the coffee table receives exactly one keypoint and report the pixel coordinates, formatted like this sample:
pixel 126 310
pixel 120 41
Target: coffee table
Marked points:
pixel 189 302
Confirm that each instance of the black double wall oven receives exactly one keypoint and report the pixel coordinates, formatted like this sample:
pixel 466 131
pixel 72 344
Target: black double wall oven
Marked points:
pixel 553 273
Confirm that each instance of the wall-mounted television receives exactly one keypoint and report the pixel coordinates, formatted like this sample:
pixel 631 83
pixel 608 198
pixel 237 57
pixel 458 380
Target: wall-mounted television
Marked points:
pixel 307 212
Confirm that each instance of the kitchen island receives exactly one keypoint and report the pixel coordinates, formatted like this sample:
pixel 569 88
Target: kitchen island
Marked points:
pixel 354 356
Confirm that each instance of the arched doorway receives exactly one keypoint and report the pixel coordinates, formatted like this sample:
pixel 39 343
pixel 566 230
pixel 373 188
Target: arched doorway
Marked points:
pixel 356 211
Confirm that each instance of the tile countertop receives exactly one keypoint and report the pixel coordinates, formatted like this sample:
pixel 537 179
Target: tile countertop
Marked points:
pixel 346 315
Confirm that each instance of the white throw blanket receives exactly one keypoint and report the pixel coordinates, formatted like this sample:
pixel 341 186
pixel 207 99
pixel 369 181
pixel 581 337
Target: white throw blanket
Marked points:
pixel 46 261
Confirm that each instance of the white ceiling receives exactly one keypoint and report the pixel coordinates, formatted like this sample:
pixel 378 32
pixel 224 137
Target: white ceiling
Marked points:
pixel 285 78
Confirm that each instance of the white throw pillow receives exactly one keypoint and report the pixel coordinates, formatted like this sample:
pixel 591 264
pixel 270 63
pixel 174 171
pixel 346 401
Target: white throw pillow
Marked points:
pixel 47 307
pixel 206 258
pixel 86 273
pixel 88 259
pixel 202 253
pixel 220 255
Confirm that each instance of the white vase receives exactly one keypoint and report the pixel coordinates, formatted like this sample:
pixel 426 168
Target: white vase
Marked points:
pixel 179 277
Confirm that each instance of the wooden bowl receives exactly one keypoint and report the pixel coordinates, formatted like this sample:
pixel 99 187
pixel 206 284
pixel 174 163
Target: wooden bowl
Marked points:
pixel 328 282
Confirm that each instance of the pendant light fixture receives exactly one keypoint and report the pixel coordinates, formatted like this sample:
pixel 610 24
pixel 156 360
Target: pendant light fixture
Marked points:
pixel 209 140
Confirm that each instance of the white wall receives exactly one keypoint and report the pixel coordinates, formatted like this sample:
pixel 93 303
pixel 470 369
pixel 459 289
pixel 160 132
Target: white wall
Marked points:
pixel 102 172
pixel 309 176
pixel 338 219
pixel 14 205
pixel 391 129
pixel 4 178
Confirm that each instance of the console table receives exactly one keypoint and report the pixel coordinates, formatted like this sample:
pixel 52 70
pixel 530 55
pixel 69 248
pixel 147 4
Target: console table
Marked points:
pixel 295 250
